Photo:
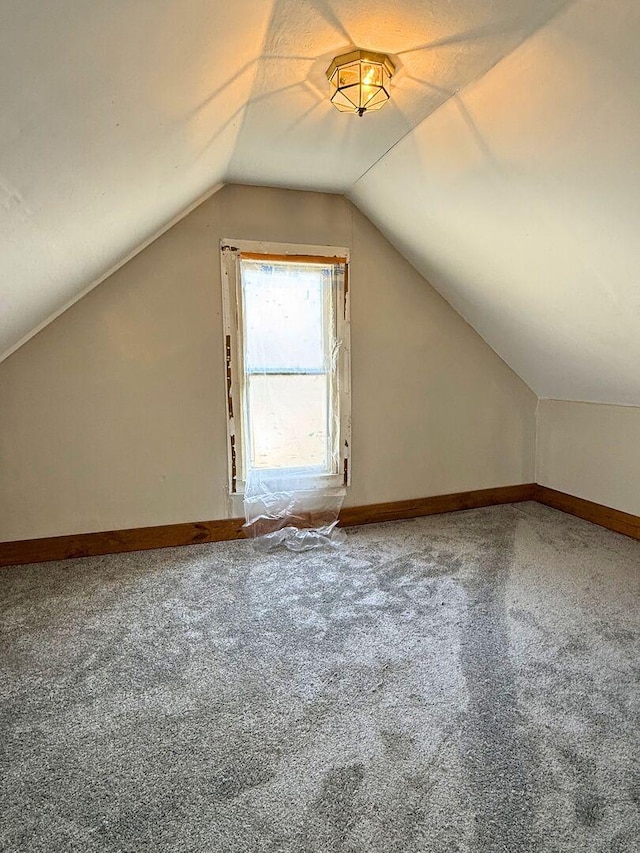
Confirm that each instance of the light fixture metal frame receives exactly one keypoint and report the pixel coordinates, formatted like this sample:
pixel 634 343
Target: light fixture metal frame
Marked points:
pixel 361 57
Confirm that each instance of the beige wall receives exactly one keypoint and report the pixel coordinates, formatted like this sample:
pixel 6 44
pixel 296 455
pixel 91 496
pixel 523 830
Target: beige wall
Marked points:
pixel 114 415
pixel 592 451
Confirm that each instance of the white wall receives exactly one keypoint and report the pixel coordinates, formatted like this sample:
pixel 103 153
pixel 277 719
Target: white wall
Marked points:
pixel 113 416
pixel 591 451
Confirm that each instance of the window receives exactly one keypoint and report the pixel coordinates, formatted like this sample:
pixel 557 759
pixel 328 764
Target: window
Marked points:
pixel 287 362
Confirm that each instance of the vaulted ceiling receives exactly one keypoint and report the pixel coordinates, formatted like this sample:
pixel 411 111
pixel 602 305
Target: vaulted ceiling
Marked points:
pixel 506 167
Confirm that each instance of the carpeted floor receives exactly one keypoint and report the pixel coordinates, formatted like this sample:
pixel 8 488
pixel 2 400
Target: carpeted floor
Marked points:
pixel 465 682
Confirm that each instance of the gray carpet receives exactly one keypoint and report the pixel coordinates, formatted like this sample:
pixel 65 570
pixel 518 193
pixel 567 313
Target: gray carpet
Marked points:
pixel 466 682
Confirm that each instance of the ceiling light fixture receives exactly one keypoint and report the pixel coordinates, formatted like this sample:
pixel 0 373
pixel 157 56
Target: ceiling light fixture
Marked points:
pixel 360 80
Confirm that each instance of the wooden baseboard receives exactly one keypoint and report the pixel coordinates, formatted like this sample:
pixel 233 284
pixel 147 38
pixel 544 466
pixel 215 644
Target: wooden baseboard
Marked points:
pixel 118 541
pixel 190 533
pixel 613 519
pixel 398 510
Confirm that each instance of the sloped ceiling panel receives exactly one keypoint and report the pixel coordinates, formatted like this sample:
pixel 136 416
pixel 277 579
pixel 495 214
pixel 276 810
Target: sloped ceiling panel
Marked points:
pixel 114 116
pixel 520 200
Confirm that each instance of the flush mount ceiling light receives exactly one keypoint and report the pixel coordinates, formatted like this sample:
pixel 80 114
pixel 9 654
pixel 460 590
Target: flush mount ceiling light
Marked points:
pixel 360 80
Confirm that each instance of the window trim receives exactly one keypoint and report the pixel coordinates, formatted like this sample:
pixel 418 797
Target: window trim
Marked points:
pixel 231 252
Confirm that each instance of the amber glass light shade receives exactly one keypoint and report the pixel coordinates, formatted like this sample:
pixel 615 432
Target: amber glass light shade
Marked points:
pixel 360 81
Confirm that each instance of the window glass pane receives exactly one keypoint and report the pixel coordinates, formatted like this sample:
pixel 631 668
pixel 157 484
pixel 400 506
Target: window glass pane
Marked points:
pixel 287 418
pixel 284 315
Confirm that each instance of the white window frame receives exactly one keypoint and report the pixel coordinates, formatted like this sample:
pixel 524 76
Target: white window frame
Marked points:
pixel 230 256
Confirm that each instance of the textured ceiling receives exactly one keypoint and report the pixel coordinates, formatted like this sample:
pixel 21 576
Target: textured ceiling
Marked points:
pixel 505 166
pixel 520 200
pixel 291 135
pixel 115 115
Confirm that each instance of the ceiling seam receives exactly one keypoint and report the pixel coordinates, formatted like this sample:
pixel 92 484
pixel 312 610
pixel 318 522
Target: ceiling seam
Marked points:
pixel 471 82
pixel 247 103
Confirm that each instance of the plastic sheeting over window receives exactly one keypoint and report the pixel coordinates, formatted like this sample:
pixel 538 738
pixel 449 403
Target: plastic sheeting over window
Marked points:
pixel 292 383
